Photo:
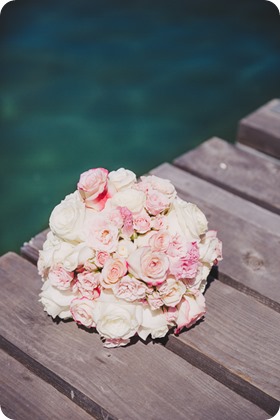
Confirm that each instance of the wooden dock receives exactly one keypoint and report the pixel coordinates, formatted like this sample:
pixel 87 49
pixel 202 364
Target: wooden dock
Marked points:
pixel 226 368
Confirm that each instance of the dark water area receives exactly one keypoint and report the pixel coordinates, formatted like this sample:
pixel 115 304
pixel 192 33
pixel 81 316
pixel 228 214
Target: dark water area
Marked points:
pixel 113 83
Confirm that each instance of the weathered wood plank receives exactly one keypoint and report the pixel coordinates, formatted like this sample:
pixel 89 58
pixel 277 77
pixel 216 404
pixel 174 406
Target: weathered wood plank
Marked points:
pixel 238 333
pixel 24 396
pixel 136 382
pixel 248 175
pixel 261 129
pixel 250 234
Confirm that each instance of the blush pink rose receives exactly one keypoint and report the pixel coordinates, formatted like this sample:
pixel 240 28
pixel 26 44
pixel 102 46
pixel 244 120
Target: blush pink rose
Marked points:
pixel 87 284
pixel 114 269
pixel 114 216
pixel 190 310
pixel 171 291
pixel 82 310
pixel 148 266
pixel 130 289
pixel 93 188
pixel 101 258
pixel 142 222
pixel 160 241
pixel 156 202
pixel 60 278
pixel 101 235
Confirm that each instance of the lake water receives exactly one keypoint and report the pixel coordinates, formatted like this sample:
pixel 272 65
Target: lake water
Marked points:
pixel 113 83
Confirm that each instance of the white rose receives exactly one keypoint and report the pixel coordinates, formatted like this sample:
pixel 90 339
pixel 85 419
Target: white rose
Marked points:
pixel 133 199
pixel 210 248
pixel 56 302
pixel 45 260
pixel 144 240
pixel 122 179
pixel 78 255
pixel 116 318
pixel 51 255
pixel 154 323
pixel 192 221
pixel 125 248
pixel 200 281
pixel 67 218
pixel 51 241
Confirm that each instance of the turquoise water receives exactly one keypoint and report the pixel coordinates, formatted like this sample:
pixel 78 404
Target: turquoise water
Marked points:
pixel 90 83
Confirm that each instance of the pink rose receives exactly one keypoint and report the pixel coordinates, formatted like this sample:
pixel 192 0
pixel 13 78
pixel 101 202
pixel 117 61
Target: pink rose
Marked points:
pixel 93 188
pixel 101 235
pixel 101 257
pixel 160 241
pixel 87 284
pixel 130 289
pixel 114 269
pixel 114 216
pixel 82 310
pixel 156 202
pixel 148 266
pixel 60 278
pixel 142 222
pixel 191 309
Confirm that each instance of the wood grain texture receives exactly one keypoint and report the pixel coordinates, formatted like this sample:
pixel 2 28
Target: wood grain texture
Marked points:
pixel 136 382
pixel 22 394
pixel 261 129
pixel 248 175
pixel 250 235
pixel 238 333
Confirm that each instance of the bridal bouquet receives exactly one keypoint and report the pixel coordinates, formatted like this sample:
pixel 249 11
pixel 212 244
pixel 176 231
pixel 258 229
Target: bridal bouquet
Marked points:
pixel 127 257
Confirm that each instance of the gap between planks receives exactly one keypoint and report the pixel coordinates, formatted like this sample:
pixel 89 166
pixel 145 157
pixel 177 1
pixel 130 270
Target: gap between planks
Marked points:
pixel 239 171
pixel 48 376
pixel 219 372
